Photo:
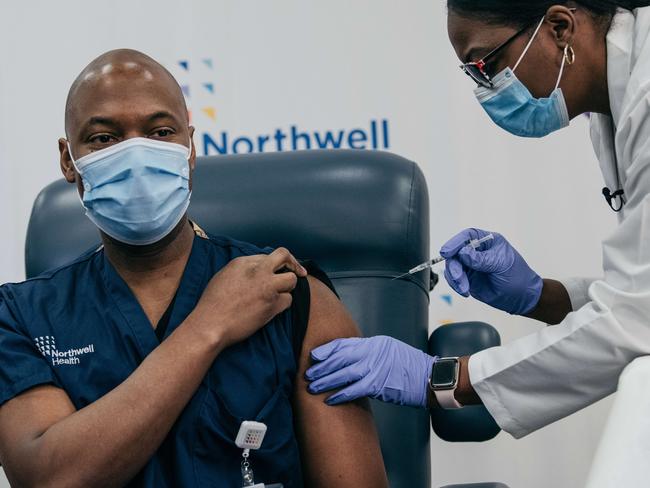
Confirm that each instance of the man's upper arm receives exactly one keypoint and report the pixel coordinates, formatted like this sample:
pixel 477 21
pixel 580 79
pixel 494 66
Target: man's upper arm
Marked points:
pixel 339 445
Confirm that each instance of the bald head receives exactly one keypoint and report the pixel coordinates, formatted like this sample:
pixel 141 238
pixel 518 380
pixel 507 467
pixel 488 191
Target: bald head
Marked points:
pixel 120 68
pixel 120 95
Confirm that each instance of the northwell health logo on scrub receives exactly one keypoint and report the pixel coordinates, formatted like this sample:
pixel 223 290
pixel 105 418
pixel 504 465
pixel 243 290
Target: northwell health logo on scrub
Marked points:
pixel 199 88
pixel 47 346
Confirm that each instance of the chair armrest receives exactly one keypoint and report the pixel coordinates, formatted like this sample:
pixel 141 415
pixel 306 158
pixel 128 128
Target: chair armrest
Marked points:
pixel 472 423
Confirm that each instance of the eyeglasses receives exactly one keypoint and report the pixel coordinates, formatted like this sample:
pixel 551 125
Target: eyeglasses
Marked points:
pixel 476 69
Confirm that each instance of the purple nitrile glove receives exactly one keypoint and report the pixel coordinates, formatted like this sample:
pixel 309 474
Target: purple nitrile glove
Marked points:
pixel 378 367
pixel 494 273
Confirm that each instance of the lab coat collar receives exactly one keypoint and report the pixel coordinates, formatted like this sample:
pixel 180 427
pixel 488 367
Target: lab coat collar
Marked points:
pixel 620 62
pixel 620 46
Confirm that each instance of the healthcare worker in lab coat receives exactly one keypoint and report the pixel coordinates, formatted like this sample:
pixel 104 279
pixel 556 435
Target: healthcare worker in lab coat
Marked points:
pixel 537 64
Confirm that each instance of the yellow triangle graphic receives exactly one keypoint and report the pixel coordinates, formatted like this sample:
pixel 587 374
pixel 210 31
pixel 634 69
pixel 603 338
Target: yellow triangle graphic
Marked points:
pixel 210 112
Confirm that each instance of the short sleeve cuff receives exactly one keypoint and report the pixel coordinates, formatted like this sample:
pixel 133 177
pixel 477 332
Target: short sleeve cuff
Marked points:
pixel 15 389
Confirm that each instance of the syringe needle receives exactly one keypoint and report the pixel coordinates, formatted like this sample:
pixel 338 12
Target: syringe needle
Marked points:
pixel 400 276
pixel 473 243
pixel 421 267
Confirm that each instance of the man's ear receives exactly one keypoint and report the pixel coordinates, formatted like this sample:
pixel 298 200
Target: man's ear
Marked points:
pixel 192 149
pixel 563 22
pixel 65 161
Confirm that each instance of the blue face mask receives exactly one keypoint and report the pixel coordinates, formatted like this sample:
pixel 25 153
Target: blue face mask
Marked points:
pixel 136 191
pixel 512 107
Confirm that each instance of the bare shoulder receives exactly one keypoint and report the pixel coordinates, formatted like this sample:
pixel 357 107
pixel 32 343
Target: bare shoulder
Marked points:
pixel 347 429
pixel 328 317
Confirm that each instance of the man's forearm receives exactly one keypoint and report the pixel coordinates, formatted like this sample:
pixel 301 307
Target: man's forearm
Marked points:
pixel 554 303
pixel 107 443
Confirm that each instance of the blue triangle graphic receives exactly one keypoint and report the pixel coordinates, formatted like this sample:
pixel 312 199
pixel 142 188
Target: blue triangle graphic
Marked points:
pixel 208 62
pixel 185 65
pixel 447 299
pixel 209 87
pixel 186 90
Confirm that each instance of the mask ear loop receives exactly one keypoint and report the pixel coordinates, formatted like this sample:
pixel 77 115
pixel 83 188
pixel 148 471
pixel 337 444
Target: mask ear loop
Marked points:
pixel 74 163
pixel 567 60
pixel 539 26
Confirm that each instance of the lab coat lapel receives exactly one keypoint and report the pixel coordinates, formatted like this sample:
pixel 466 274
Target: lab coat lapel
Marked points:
pixel 602 138
pixel 620 43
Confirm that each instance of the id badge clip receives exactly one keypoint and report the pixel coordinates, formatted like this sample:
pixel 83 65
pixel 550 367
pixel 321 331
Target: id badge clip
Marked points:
pixel 250 437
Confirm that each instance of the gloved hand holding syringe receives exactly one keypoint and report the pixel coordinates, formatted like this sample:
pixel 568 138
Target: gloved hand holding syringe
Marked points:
pixel 474 243
pixel 389 370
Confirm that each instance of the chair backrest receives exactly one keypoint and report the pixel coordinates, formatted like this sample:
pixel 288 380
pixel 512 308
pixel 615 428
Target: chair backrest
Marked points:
pixel 362 216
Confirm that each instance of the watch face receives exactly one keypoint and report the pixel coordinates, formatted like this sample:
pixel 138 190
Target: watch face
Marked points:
pixel 444 373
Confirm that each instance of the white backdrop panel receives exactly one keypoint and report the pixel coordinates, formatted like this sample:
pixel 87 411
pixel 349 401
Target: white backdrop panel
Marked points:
pixel 329 66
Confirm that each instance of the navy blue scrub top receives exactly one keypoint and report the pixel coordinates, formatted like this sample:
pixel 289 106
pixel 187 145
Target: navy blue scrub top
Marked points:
pixel 80 328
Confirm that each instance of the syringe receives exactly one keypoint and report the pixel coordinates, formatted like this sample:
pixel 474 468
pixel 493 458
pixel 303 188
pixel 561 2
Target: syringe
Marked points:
pixel 475 243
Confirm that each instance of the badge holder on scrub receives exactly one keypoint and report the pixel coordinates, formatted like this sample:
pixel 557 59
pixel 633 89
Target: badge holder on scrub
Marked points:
pixel 250 436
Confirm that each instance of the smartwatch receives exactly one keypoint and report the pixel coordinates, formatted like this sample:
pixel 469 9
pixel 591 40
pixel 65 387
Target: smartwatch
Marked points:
pixel 443 382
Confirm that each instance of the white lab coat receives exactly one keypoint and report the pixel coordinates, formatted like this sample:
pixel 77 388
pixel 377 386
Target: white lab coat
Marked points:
pixel 544 377
pixel 622 456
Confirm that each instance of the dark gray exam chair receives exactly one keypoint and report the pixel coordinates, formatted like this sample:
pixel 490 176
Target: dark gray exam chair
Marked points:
pixel 362 216
pixel 471 423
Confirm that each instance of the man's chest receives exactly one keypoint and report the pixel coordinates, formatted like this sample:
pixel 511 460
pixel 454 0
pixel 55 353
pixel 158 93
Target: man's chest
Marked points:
pixel 94 350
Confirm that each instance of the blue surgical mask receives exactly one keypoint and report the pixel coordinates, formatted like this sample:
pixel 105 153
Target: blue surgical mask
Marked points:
pixel 136 191
pixel 512 107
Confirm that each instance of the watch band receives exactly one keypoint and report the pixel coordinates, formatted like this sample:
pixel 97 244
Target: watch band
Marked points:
pixel 446 399
pixel 445 392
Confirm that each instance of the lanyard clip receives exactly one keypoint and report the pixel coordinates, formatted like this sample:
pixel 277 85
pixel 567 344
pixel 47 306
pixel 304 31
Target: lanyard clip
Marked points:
pixel 250 436
pixel 612 197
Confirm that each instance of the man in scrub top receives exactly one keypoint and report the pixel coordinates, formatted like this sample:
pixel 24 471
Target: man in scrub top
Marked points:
pixel 136 364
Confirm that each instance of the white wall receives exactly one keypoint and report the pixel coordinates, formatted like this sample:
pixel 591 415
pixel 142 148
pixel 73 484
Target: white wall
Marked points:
pixel 331 65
